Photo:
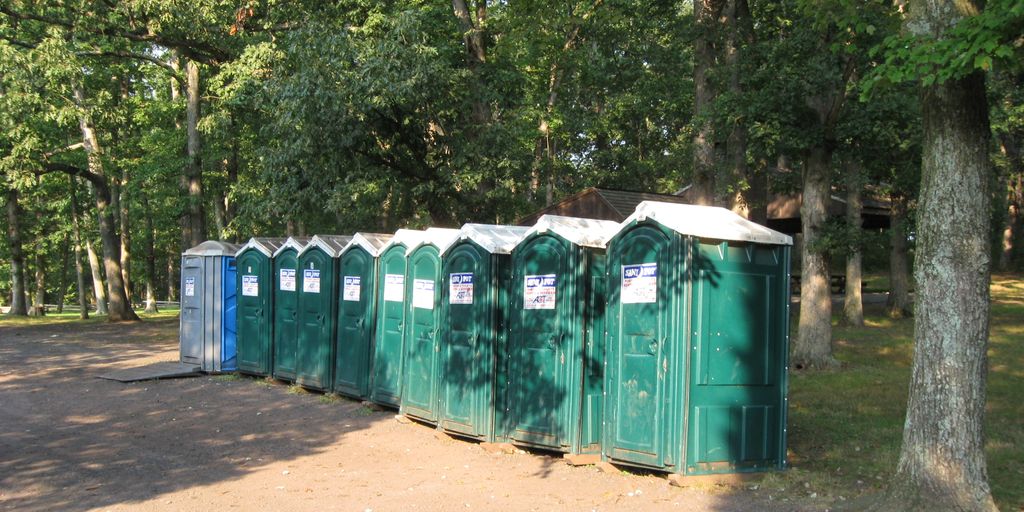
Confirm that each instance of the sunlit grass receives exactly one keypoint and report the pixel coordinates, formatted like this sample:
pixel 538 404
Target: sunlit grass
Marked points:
pixel 846 425
pixel 69 317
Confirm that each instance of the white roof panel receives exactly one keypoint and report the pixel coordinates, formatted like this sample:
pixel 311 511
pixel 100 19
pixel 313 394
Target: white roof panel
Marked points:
pixel 212 248
pixel 330 244
pixel 706 222
pixel 406 237
pixel 265 245
pixel 493 238
pixel 438 237
pixel 585 232
pixel 372 243
pixel 294 242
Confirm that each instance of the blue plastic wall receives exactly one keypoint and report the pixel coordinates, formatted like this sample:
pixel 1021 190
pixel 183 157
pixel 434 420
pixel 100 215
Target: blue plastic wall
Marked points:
pixel 229 324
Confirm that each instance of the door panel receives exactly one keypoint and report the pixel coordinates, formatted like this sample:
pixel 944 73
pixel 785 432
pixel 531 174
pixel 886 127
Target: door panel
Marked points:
pixel 285 314
pixel 468 375
pixel 313 360
pixel 355 298
pixel 387 366
pixel 193 312
pixel 419 397
pixel 253 322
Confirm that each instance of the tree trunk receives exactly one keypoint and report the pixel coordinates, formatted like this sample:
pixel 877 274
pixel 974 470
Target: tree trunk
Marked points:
pixel 813 347
pixel 39 302
pixel 62 289
pixel 749 199
pixel 194 167
pixel 184 219
pixel 147 221
pixel 898 303
pixel 118 308
pixel 1011 232
pixel 706 14
pixel 98 287
pixel 76 232
pixel 126 238
pixel 19 303
pixel 853 304
pixel 172 278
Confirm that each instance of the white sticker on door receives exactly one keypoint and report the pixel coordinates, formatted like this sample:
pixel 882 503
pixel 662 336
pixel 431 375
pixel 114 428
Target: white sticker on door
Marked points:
pixel 539 292
pixel 639 284
pixel 190 287
pixel 394 287
pixel 350 291
pixel 460 288
pixel 423 293
pixel 251 286
pixel 287 279
pixel 311 281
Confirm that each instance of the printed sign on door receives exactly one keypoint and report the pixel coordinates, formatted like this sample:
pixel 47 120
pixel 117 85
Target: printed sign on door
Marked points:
pixel 350 291
pixel 190 287
pixel 287 279
pixel 640 283
pixel 539 292
pixel 460 288
pixel 311 281
pixel 423 293
pixel 394 287
pixel 251 286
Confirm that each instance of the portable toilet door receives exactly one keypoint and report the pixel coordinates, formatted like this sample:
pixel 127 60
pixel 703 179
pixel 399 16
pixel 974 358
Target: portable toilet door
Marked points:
pixel 474 309
pixel 255 285
pixel 286 307
pixel 357 271
pixel 317 310
pixel 555 350
pixel 208 307
pixel 697 341
pixel 386 384
pixel 423 293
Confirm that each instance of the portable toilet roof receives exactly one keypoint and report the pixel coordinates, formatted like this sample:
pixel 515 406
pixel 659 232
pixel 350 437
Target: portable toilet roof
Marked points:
pixel 408 237
pixel 493 238
pixel 584 232
pixel 295 242
pixel 438 237
pixel 372 243
pixel 706 222
pixel 330 244
pixel 266 246
pixel 212 248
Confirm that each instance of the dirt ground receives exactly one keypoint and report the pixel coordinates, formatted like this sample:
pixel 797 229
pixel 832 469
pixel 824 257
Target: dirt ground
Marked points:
pixel 70 441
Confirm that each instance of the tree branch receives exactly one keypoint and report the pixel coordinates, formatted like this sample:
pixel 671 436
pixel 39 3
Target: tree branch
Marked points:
pixel 136 56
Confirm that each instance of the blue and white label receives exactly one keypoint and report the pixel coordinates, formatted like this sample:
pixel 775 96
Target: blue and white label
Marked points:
pixel 311 281
pixel 286 280
pixel 350 290
pixel 190 287
pixel 394 287
pixel 639 284
pixel 423 293
pixel 251 286
pixel 539 292
pixel 460 288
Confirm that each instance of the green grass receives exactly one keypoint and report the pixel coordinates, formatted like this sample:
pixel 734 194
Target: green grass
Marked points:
pixel 227 377
pixel 72 317
pixel 846 425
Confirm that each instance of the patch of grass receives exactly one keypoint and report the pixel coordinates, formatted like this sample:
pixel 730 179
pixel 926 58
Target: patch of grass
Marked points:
pixel 264 382
pixel 70 317
pixel 227 377
pixel 846 425
pixel 365 411
pixel 295 389
pixel 329 398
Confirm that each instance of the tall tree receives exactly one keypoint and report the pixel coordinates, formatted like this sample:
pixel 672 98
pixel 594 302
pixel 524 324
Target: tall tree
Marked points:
pixel 19 302
pixel 707 156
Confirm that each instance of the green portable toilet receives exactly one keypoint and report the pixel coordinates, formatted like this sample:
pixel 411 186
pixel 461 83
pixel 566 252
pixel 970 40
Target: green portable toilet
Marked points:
pixel 698 312
pixel 357 270
pixel 423 293
pixel 474 312
pixel 255 284
pixel 555 351
pixel 386 384
pixel 318 309
pixel 286 307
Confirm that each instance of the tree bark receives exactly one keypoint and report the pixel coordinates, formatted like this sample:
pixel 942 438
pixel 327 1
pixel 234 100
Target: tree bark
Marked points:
pixel 853 303
pixel 194 167
pixel 750 197
pixel 1014 223
pixel 126 238
pixel 76 232
pixel 63 287
pixel 172 278
pixel 706 152
pixel 118 308
pixel 19 302
pixel 942 459
pixel 813 347
pixel 39 297
pixel 184 219
pixel 98 286
pixel 147 220
pixel 898 303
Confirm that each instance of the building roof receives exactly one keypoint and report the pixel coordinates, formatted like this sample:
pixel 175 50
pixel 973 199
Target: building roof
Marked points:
pixel 405 237
pixel 607 204
pixel 585 232
pixel 372 243
pixel 212 248
pixel 266 245
pixel 493 238
pixel 293 242
pixel 440 238
pixel 706 222
pixel 330 244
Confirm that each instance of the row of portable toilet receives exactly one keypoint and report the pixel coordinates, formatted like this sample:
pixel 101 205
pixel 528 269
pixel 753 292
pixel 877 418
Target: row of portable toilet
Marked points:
pixel 660 342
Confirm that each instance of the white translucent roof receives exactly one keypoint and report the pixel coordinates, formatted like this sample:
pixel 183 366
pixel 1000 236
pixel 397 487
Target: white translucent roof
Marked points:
pixel 267 246
pixel 493 238
pixel 295 242
pixel 585 232
pixel 372 243
pixel 706 222
pixel 438 237
pixel 406 237
pixel 212 248
pixel 330 244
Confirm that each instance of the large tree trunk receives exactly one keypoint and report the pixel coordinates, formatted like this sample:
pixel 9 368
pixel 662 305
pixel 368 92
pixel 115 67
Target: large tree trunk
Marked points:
pixel 98 286
pixel 172 278
pixel 184 218
pixel 118 307
pixel 76 232
pixel 19 303
pixel 62 288
pixel 1014 223
pixel 706 14
pixel 147 220
pixel 126 238
pixel 898 303
pixel 750 197
pixel 853 303
pixel 194 167
pixel 39 297
pixel 942 460
pixel 813 347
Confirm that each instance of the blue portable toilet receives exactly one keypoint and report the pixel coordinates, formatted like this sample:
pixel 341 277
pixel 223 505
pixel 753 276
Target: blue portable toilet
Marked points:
pixel 208 325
